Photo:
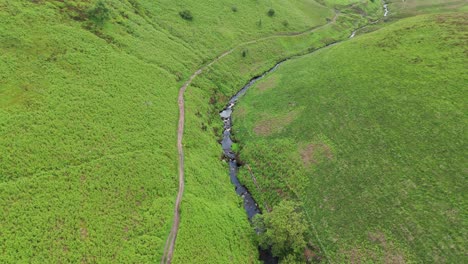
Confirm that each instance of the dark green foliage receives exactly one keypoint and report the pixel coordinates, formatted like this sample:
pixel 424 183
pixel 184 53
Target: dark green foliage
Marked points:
pixel 244 53
pixel 186 14
pixel 271 12
pixel 285 23
pixel 234 9
pixel 138 8
pixel 284 230
pixel 99 14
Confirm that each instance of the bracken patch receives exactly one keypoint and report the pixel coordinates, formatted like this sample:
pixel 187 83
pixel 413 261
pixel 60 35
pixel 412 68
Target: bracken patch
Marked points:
pixel 315 153
pixel 273 125
pixel 268 84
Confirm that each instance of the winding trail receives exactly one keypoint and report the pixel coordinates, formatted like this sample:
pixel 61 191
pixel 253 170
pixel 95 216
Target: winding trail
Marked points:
pixel 170 242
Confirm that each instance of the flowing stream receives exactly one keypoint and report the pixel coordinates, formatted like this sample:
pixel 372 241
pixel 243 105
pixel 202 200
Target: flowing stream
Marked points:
pixel 386 11
pixel 250 205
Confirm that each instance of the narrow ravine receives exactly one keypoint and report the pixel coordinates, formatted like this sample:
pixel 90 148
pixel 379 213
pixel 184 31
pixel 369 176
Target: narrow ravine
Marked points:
pixel 171 239
pixel 386 12
pixel 250 205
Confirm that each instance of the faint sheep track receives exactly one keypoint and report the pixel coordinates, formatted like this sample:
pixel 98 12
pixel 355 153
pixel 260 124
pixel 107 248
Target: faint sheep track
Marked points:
pixel 170 242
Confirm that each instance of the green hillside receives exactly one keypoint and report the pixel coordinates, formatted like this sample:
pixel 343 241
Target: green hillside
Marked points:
pixel 370 136
pixel 88 119
pixel 417 7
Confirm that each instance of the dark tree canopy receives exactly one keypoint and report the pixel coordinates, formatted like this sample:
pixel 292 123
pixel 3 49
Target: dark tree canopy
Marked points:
pixel 284 230
pixel 99 13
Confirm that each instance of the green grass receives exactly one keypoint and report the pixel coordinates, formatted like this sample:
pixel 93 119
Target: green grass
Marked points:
pixel 208 94
pixel 369 135
pixel 414 7
pixel 88 117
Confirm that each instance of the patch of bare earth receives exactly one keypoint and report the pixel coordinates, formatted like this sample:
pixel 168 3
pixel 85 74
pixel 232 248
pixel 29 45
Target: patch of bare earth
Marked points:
pixel 392 256
pixel 241 112
pixel 273 125
pixel 357 256
pixel 268 83
pixel 315 153
pixel 84 232
pixel 389 255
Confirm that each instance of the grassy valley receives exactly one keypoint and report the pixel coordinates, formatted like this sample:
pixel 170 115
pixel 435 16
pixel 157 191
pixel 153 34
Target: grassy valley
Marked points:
pixel 88 116
pixel 369 136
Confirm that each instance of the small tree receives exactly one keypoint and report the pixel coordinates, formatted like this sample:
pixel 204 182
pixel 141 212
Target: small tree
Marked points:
pixel 284 230
pixel 99 13
pixel 186 14
pixel 271 12
pixel 234 9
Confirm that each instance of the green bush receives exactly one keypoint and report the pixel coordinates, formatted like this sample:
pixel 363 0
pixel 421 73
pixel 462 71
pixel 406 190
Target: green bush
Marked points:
pixel 99 14
pixel 186 14
pixel 284 230
pixel 271 12
pixel 244 53
pixel 234 9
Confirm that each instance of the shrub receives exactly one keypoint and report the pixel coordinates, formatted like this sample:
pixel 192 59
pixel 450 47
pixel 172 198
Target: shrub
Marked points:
pixel 186 14
pixel 244 53
pixel 285 23
pixel 271 12
pixel 284 230
pixel 99 13
pixel 234 9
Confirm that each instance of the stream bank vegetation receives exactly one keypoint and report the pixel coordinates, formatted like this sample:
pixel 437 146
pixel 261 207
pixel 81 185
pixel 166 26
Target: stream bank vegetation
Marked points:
pixel 284 231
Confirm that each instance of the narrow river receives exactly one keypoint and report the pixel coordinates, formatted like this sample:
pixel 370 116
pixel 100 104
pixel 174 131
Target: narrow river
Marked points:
pixel 386 11
pixel 250 205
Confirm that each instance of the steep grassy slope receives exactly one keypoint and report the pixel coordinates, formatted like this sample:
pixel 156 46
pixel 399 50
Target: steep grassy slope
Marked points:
pixel 88 112
pixel 369 135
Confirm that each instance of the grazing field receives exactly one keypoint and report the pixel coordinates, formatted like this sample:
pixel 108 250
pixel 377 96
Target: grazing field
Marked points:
pixel 370 136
